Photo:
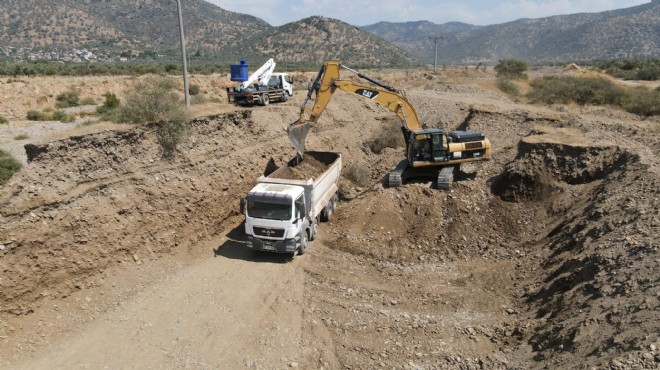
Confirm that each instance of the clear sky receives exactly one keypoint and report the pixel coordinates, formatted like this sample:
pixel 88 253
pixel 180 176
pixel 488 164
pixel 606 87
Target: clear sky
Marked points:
pixel 366 12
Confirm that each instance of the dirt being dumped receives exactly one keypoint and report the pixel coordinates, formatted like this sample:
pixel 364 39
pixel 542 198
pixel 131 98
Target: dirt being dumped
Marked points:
pixel 311 166
pixel 546 256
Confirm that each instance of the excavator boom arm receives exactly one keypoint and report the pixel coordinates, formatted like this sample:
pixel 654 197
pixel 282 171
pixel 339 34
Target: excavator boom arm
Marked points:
pixel 327 82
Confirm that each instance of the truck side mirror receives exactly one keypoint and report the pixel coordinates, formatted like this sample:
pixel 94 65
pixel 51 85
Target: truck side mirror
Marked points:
pixel 242 205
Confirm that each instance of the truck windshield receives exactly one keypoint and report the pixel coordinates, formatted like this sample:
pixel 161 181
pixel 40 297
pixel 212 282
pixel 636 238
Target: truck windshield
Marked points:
pixel 271 211
pixel 274 81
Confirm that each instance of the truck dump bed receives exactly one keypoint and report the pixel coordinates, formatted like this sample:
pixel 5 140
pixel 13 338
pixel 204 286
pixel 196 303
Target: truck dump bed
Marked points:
pixel 318 173
pixel 313 165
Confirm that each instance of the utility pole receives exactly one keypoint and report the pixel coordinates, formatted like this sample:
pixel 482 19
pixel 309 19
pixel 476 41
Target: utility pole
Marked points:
pixel 183 56
pixel 435 40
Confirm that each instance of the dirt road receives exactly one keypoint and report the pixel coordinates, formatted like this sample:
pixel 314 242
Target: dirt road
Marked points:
pixel 232 310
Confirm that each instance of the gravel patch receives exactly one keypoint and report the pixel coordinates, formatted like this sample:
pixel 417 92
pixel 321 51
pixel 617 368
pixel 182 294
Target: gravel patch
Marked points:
pixel 37 132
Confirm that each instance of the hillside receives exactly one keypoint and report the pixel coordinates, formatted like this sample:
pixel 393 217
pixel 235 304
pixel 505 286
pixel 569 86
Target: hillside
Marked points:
pixel 120 25
pixel 414 37
pixel 150 27
pixel 315 39
pixel 625 33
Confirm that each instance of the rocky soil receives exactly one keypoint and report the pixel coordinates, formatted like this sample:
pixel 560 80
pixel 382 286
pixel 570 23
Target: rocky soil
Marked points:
pixel 546 256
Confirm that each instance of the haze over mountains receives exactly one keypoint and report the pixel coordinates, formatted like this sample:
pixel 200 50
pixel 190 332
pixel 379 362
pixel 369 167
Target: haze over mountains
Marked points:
pixel 149 27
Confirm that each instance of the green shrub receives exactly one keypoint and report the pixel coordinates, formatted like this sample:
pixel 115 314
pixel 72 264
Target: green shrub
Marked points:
pixel 170 135
pixel 111 102
pixel 69 98
pixel 632 69
pixel 595 91
pixel 193 90
pixel 35 115
pixel 21 137
pixel 88 101
pixel 507 86
pixel 8 166
pixel 3 120
pixel 58 115
pixel 511 68
pixel 154 100
pixel 644 102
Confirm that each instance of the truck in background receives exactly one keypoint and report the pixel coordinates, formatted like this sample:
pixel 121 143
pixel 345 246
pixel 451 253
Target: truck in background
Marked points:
pixel 283 211
pixel 261 87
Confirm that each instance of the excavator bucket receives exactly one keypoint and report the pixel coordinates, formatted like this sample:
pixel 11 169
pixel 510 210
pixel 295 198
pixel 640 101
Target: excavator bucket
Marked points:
pixel 297 132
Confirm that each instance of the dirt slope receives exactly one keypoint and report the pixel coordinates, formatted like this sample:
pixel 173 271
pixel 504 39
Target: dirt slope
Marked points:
pixel 544 257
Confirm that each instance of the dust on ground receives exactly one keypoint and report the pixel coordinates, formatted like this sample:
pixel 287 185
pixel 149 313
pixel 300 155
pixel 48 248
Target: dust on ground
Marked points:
pixel 546 256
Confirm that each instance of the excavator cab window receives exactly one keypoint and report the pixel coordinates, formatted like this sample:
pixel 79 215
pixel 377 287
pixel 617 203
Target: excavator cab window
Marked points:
pixel 439 147
pixel 422 147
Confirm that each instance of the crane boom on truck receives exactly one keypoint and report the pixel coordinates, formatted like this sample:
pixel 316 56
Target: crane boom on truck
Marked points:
pixel 429 152
pixel 262 75
pixel 261 87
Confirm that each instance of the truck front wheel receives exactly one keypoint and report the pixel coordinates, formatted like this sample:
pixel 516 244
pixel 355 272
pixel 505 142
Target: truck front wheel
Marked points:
pixel 303 243
pixel 314 229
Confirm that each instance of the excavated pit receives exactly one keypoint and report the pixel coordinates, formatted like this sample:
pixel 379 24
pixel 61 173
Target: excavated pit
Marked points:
pixel 544 256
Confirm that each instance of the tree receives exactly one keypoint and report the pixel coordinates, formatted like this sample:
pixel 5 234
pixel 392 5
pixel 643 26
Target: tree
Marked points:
pixel 511 68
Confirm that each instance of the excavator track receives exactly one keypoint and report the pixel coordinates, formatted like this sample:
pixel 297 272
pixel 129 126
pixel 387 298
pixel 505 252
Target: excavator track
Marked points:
pixel 445 178
pixel 394 177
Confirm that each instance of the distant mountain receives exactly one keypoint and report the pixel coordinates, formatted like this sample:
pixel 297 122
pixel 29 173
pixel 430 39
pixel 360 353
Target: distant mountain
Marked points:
pixel 212 34
pixel 419 30
pixel 149 28
pixel 626 33
pixel 316 39
pixel 120 24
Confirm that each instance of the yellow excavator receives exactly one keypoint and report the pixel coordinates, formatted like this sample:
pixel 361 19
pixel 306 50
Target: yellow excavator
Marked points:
pixel 430 152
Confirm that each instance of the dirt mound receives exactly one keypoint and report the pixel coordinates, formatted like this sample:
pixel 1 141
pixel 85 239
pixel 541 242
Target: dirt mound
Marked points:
pixel 309 168
pixel 550 158
pixel 601 204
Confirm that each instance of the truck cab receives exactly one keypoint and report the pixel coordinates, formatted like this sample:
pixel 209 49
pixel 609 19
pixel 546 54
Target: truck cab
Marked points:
pixel 276 218
pixel 281 81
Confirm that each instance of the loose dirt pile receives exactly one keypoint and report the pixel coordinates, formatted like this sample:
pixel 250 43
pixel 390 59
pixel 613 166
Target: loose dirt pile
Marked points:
pixel 546 256
pixel 309 168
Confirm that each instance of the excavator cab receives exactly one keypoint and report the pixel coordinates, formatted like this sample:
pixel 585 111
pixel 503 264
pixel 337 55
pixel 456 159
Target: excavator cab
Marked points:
pixel 429 145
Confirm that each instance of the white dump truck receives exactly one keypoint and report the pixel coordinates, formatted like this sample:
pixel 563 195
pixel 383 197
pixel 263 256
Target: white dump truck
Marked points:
pixel 283 211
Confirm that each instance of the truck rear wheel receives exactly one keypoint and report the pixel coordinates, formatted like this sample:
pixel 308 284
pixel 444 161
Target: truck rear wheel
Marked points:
pixel 329 209
pixel 265 99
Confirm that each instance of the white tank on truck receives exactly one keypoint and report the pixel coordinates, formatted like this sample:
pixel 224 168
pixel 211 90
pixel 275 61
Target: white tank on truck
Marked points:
pixel 283 211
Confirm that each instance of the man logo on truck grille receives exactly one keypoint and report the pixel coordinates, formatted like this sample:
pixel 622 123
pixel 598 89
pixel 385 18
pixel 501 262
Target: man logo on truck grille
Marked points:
pixel 268 232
